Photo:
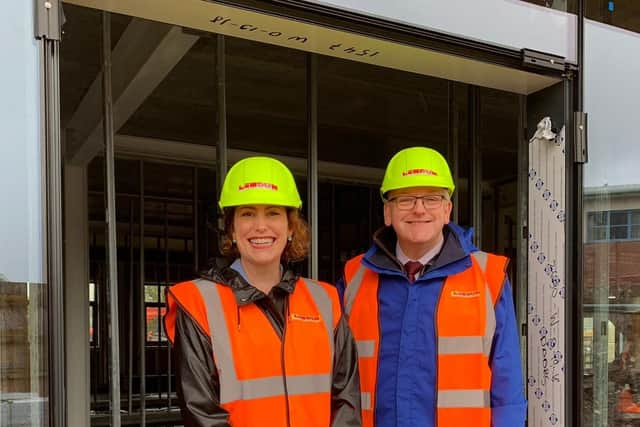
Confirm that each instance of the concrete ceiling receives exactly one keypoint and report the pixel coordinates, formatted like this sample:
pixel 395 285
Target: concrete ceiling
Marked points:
pixel 165 88
pixel 214 17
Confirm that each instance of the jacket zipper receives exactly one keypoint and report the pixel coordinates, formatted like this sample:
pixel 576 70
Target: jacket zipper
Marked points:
pixel 375 389
pixel 282 360
pixel 435 330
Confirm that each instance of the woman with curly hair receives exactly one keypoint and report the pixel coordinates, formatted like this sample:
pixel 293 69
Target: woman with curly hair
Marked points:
pixel 255 344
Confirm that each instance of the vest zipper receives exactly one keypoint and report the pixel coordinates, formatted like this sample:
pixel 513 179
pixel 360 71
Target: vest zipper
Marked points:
pixel 282 360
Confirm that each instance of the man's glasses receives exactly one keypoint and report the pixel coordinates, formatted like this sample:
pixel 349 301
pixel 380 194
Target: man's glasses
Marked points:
pixel 406 203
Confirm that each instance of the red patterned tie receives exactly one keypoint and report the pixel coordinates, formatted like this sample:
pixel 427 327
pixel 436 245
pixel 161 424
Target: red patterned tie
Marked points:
pixel 412 267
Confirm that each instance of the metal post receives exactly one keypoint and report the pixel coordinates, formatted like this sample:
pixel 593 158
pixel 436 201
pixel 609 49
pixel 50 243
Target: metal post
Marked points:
pixel 221 144
pixel 130 326
pixel 157 275
pixel 168 375
pixel 475 178
pixel 580 89
pixel 334 252
pixel 371 193
pixel 141 308
pixel 312 160
pixel 452 144
pixel 167 281
pixel 574 298
pixel 48 30
pixel 194 213
pixel 575 194
pixel 521 284
pixel 110 215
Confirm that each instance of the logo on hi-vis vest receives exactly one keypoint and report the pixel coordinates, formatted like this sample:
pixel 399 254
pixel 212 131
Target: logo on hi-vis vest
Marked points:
pixel 314 318
pixel 465 294
pixel 262 185
pixel 419 172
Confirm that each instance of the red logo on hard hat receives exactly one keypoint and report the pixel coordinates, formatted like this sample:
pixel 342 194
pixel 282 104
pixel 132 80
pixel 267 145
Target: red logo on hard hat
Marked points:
pixel 262 185
pixel 420 172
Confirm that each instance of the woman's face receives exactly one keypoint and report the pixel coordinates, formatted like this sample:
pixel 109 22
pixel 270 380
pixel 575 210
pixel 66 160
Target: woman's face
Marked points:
pixel 261 233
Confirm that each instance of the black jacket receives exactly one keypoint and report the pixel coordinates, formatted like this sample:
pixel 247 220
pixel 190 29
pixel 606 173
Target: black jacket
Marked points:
pixel 198 385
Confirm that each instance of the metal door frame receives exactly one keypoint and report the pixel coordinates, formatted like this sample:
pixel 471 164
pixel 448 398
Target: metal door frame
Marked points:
pixel 49 18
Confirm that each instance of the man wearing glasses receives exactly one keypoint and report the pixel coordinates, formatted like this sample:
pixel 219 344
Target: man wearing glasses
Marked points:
pixel 433 317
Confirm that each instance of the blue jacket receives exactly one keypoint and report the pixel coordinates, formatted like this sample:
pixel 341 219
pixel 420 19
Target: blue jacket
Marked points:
pixel 406 388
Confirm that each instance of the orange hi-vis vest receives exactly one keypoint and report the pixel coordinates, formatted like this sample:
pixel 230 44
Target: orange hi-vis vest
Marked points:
pixel 465 325
pixel 265 380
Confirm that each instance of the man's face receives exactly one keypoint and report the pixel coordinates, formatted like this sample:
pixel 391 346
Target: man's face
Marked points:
pixel 418 225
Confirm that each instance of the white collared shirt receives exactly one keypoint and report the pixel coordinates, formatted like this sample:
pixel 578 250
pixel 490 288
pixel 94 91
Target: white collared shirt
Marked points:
pixel 424 259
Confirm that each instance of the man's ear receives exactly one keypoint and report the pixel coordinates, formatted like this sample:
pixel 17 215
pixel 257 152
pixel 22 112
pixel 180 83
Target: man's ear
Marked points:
pixel 447 210
pixel 387 214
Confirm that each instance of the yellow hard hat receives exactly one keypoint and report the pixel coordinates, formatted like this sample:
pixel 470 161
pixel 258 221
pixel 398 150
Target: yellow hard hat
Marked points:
pixel 417 167
pixel 259 181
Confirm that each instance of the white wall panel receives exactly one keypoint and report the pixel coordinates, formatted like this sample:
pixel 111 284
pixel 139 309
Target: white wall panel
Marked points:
pixel 21 238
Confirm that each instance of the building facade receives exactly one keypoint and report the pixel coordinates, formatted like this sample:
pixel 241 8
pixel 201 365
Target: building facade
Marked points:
pixel 121 119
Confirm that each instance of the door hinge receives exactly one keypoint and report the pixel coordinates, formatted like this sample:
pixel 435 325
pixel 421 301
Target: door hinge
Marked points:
pixel 49 19
pixel 535 59
pixel 581 154
pixel 570 71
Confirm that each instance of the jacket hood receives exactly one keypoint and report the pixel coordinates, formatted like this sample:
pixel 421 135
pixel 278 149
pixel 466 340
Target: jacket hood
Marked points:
pixel 465 237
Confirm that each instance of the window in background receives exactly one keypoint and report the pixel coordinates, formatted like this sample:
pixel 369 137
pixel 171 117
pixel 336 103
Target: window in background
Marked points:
pixel 618 13
pixel 611 277
pixel 93 315
pixel 155 308
pixel 613 225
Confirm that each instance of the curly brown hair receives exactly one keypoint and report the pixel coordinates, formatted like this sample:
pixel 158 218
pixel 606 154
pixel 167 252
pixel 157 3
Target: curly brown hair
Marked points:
pixel 296 250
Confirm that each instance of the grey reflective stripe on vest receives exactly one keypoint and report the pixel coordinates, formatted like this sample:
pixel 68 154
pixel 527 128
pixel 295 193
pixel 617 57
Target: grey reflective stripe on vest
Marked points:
pixel 365 401
pixel 231 388
pixel 352 288
pixel 474 344
pixel 482 258
pixel 221 343
pixel 325 307
pixel 470 345
pixel 365 347
pixel 464 399
pixel 461 345
pixel 490 322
